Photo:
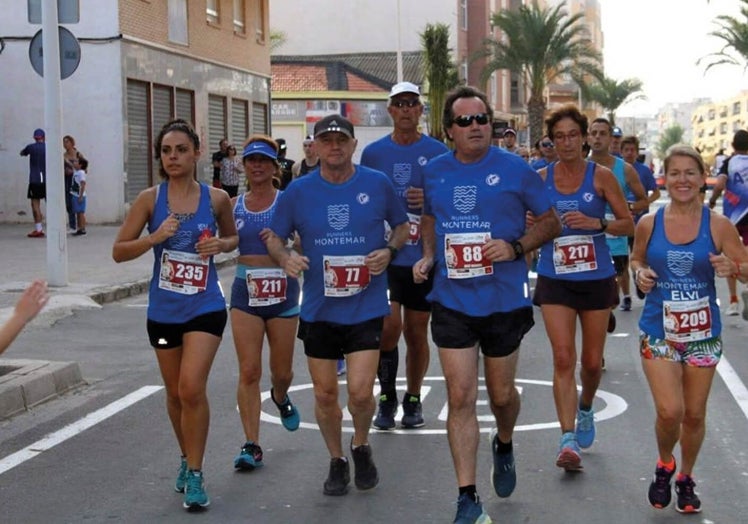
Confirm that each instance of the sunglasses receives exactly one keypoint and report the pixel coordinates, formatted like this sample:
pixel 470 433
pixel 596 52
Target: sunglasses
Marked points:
pixel 546 144
pixel 405 103
pixel 466 120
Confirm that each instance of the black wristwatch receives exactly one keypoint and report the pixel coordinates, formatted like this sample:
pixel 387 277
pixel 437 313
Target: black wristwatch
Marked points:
pixel 393 252
pixel 603 224
pixel 518 249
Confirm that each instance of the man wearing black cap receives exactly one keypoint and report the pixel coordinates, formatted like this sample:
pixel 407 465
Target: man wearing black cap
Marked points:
pixel 342 231
pixel 402 156
pixel 37 190
pixel 286 164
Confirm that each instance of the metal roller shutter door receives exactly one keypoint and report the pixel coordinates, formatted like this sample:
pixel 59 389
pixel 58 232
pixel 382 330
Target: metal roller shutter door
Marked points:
pixel 138 145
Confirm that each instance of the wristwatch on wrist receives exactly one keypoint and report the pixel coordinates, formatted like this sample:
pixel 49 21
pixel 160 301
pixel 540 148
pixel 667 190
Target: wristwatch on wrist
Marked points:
pixel 393 252
pixel 518 249
pixel 603 224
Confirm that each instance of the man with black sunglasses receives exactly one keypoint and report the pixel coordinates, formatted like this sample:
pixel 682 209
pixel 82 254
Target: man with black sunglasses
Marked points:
pixel 548 152
pixel 401 155
pixel 475 202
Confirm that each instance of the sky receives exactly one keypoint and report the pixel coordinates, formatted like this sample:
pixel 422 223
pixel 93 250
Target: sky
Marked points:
pixel 659 42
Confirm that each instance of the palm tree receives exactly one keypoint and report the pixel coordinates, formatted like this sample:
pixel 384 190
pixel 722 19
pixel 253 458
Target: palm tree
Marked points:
pixel 734 35
pixel 611 94
pixel 542 45
pixel 671 135
pixel 439 71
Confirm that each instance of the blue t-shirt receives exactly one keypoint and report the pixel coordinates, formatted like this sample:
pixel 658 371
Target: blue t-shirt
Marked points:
pixel 576 254
pixel 404 166
pixel 177 270
pixel 618 245
pixel 339 224
pixel 648 182
pixel 37 153
pixel 684 287
pixel 472 203
pixel 539 164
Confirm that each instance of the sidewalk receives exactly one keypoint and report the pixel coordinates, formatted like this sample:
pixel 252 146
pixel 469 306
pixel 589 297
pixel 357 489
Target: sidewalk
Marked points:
pixel 93 279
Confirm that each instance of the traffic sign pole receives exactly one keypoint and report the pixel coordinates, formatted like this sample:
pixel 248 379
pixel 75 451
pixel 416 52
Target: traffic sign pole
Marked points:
pixel 57 254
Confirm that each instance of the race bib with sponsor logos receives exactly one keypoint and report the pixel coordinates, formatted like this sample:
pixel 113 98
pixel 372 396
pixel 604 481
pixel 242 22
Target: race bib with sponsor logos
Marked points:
pixel 266 286
pixel 180 272
pixel 574 254
pixel 687 320
pixel 463 253
pixel 345 276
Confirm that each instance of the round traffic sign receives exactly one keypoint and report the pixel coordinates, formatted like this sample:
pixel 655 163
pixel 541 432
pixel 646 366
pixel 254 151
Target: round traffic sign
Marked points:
pixel 70 53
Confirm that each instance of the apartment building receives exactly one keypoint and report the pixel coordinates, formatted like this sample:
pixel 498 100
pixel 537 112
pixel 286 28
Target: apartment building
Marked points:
pixel 142 63
pixel 714 124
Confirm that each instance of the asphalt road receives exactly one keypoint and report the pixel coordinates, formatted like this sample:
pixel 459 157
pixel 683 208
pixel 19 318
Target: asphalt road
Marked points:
pixel 101 455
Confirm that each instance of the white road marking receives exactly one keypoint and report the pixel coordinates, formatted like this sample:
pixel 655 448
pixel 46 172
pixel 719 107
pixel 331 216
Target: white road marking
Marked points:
pixel 734 384
pixel 71 430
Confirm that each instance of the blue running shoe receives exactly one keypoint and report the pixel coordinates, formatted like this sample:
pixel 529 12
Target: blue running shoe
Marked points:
pixel 385 418
pixel 569 455
pixel 470 511
pixel 585 430
pixel 503 474
pixel 249 458
pixel 181 477
pixel 288 412
pixel 341 367
pixel 195 498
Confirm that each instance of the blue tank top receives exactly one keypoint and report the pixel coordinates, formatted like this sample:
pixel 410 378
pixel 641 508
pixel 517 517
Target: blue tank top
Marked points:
pixel 183 286
pixel 576 254
pixel 684 287
pixel 618 245
pixel 250 223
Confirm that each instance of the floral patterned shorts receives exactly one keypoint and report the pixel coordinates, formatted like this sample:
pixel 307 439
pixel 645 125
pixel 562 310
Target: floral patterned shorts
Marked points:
pixel 701 354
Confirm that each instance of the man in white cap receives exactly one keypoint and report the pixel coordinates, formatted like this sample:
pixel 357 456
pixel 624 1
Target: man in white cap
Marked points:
pixel 310 161
pixel 616 135
pixel 510 141
pixel 401 155
pixel 344 232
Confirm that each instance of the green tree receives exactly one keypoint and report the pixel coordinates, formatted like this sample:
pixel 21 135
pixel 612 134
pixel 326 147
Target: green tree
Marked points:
pixel 611 94
pixel 439 71
pixel 277 39
pixel 671 135
pixel 733 32
pixel 542 45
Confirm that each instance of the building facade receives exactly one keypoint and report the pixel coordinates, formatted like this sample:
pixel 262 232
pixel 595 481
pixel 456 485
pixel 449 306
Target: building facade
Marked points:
pixel 143 62
pixel 714 124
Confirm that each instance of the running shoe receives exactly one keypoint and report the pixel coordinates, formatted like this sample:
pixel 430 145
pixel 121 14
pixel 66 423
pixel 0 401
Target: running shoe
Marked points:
pixel 744 296
pixel 341 367
pixel 503 474
pixel 385 418
pixel 569 455
pixel 733 309
pixel 611 323
pixel 365 475
pixel 288 412
pixel 80 232
pixel 249 458
pixel 338 478
pixel 181 476
pixel 688 500
pixel 660 491
pixel 195 498
pixel 412 412
pixel 36 234
pixel 626 304
pixel 470 511
pixel 585 430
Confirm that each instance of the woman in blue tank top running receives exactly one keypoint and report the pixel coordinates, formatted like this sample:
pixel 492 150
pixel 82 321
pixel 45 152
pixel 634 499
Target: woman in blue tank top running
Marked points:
pixel 678 251
pixel 188 223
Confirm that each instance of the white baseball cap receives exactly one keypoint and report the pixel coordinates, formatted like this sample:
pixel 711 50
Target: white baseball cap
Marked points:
pixel 404 87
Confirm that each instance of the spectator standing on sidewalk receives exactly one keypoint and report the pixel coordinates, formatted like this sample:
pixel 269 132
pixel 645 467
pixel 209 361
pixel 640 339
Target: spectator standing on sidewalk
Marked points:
pixel 341 317
pixel 216 159
pixel 733 179
pixel 286 164
pixel 70 154
pixel 31 301
pixel 188 222
pixel 37 189
pixel 231 171
pixel 78 194
pixel 402 156
pixel 475 203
